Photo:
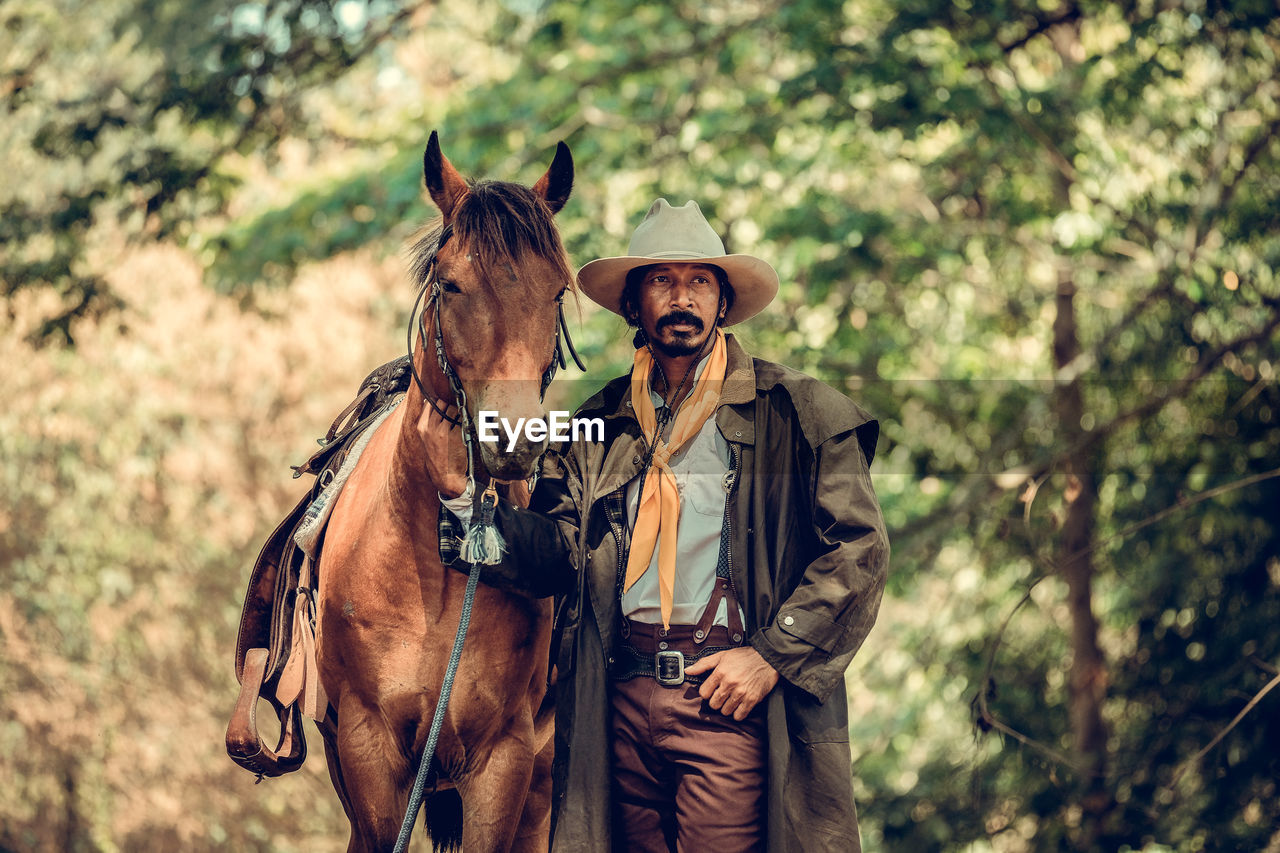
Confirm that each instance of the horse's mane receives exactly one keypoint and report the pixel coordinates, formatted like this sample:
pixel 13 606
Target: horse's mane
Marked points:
pixel 501 222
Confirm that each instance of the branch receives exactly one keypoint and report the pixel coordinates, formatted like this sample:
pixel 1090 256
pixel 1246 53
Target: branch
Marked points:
pixel 1263 665
pixel 1250 155
pixel 976 488
pixel 1156 402
pixel 1059 160
pixel 1193 760
pixel 1068 13
pixel 985 717
pixel 997 724
pixel 1181 505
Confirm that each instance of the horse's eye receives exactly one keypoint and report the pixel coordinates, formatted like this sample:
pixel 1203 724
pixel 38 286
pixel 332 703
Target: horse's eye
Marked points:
pixel 448 286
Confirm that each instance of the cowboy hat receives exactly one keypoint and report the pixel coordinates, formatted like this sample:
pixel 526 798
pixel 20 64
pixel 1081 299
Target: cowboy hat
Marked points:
pixel 681 234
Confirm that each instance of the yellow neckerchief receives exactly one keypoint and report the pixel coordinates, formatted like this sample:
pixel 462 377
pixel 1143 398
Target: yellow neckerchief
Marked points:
pixel 658 513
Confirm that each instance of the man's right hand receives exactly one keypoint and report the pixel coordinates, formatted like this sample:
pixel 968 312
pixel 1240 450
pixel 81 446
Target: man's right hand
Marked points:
pixel 446 452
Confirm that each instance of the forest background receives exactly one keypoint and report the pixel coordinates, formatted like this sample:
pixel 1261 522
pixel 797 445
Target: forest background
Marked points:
pixel 1037 239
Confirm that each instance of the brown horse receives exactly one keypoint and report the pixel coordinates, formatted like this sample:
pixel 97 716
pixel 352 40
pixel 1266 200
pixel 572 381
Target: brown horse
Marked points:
pixel 495 270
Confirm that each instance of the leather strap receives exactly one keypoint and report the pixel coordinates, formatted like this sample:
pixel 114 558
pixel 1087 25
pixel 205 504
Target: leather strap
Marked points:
pixel 300 680
pixel 723 591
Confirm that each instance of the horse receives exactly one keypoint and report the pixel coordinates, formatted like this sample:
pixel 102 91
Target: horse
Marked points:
pixel 493 272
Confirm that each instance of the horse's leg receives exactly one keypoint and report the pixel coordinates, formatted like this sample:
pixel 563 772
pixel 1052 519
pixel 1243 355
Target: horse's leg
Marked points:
pixel 327 731
pixel 373 771
pixel 494 791
pixel 533 834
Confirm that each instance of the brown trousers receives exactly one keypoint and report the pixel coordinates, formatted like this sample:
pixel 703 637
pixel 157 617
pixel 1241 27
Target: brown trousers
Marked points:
pixel 687 779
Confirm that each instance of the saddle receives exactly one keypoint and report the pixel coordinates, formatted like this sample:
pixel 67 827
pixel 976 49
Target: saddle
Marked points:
pixel 275 650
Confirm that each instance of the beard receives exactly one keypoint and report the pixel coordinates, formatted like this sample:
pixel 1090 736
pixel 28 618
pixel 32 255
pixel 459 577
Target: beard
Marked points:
pixel 684 343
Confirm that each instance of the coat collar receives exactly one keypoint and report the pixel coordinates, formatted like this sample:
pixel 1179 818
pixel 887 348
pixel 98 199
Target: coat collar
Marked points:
pixel 734 416
pixel 614 399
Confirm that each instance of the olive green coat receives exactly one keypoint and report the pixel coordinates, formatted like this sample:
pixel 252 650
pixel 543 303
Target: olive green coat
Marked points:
pixel 809 556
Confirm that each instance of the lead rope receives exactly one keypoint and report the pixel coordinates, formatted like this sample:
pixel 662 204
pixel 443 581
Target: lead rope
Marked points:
pixel 473 556
pixel 482 545
pixel 437 720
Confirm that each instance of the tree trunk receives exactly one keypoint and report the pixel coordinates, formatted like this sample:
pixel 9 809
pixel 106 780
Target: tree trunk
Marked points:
pixel 1087 684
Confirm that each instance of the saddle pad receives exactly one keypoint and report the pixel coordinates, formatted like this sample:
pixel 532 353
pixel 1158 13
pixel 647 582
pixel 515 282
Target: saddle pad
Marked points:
pixel 317 515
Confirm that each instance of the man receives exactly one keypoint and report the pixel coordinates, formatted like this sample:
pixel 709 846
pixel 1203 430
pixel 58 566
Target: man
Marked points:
pixel 728 557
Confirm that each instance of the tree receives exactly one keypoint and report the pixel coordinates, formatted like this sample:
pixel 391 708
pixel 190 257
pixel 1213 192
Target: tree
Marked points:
pixel 1078 191
pixel 131 121
pixel 1037 241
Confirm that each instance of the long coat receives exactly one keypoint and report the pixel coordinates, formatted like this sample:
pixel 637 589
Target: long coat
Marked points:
pixel 809 555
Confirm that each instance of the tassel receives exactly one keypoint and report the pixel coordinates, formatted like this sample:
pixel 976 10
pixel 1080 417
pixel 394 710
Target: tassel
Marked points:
pixel 483 544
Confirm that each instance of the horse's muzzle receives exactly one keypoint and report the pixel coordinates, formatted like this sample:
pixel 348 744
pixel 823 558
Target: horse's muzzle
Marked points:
pixel 515 464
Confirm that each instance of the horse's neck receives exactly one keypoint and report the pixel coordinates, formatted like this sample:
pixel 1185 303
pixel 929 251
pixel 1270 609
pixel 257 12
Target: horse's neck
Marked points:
pixel 408 477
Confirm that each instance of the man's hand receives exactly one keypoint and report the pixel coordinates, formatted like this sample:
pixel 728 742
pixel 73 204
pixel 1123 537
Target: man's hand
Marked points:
pixel 446 452
pixel 739 679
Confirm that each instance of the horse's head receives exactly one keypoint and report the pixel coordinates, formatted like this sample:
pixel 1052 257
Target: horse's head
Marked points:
pixel 500 274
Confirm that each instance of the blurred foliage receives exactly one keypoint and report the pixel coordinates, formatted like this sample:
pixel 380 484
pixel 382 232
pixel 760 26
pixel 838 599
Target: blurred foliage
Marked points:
pixel 126 111
pixel 980 212
pixel 139 472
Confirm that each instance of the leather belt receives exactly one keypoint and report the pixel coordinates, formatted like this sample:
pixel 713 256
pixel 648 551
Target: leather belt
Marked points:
pixel 662 654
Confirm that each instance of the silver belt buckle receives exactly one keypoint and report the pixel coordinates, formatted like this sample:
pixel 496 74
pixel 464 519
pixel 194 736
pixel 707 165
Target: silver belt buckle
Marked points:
pixel 668 668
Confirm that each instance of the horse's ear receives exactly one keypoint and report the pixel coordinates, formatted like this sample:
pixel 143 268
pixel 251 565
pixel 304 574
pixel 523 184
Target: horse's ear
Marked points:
pixel 443 182
pixel 557 183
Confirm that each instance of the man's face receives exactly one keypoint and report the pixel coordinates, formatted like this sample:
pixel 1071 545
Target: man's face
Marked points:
pixel 678 305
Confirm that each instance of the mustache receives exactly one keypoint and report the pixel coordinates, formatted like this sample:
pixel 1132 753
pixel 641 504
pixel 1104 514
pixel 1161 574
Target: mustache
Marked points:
pixel 680 317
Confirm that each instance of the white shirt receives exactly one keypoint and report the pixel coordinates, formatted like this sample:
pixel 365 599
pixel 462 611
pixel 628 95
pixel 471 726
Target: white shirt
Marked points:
pixel 700 468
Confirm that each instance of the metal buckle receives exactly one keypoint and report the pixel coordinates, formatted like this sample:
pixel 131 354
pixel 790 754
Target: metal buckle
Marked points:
pixel 668 668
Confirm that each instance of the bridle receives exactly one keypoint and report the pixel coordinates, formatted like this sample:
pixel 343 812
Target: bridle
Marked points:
pixel 431 290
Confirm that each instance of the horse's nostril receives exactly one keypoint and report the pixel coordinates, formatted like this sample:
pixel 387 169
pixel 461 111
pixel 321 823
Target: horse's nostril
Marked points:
pixel 517 464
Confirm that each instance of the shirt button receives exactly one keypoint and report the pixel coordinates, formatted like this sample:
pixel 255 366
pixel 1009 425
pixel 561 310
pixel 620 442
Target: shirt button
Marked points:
pixel 635 460
pixel 738 434
pixel 788 620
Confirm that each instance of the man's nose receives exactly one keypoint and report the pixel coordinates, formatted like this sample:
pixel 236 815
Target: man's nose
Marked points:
pixel 681 293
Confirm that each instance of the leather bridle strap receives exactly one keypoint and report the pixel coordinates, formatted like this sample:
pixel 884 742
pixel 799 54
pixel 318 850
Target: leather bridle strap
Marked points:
pixel 562 332
pixel 431 284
